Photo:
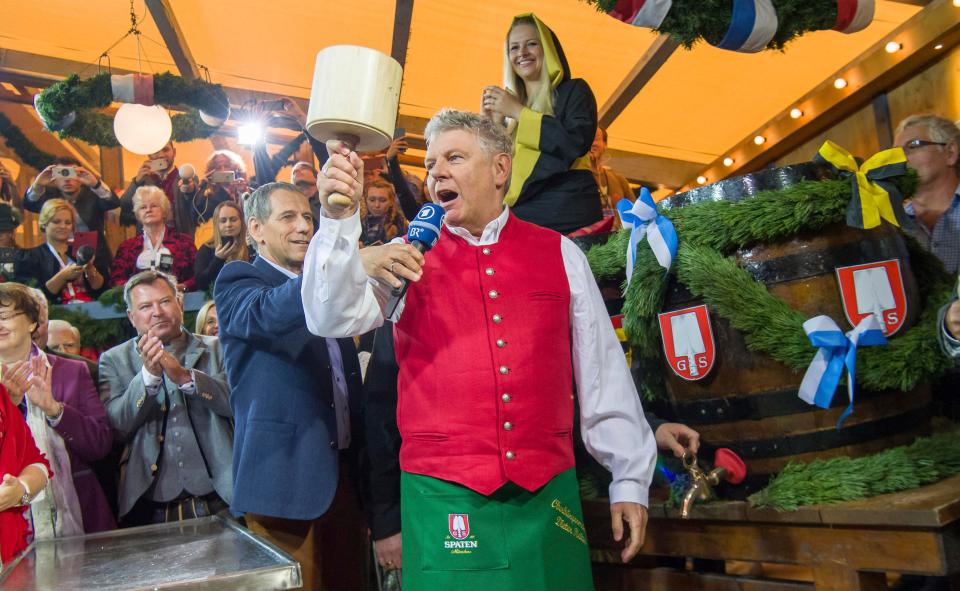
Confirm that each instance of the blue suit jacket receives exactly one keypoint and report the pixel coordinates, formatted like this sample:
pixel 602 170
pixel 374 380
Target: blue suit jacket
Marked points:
pixel 285 461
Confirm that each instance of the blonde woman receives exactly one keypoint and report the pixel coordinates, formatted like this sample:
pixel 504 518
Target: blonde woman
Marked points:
pixel 54 265
pixel 553 120
pixel 207 322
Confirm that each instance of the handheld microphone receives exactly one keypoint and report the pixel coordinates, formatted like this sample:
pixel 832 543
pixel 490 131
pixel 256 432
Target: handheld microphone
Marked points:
pixel 423 234
pixel 84 254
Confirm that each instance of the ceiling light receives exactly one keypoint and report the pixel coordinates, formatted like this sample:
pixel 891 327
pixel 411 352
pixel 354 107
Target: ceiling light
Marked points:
pixel 142 129
pixel 840 83
pixel 893 47
pixel 759 140
pixel 938 46
pixel 728 161
pixel 250 134
pixel 796 113
pixel 701 180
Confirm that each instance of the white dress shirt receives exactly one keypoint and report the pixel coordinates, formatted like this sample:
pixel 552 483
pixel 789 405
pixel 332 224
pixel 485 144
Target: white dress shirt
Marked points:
pixel 339 300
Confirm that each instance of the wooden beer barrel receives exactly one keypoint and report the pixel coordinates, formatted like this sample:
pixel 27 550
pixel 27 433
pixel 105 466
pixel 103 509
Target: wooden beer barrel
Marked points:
pixel 748 402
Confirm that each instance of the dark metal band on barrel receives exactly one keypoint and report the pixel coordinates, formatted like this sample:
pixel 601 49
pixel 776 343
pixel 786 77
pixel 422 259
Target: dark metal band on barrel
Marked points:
pixel 826 439
pixel 738 407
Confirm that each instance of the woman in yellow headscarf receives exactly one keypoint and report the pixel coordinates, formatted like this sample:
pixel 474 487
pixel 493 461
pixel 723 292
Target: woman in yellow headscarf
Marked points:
pixel 553 118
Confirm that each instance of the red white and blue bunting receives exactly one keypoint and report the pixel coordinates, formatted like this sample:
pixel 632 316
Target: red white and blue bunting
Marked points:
pixel 752 24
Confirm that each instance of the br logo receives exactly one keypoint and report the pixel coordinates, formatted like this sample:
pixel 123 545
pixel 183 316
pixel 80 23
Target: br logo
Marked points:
pixel 459 525
pixel 688 341
pixel 874 288
pixel 414 233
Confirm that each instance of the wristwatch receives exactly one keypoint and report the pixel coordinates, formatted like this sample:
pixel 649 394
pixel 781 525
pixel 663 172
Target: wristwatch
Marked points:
pixel 27 497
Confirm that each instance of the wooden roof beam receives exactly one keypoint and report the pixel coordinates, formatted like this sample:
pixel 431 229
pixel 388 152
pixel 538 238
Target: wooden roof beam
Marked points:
pixel 402 17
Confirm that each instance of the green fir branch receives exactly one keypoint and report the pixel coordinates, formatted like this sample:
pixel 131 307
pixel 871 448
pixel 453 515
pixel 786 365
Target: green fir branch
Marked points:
pixel 26 151
pixel 835 480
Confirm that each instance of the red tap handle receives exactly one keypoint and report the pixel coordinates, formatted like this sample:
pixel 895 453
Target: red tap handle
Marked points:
pixel 731 462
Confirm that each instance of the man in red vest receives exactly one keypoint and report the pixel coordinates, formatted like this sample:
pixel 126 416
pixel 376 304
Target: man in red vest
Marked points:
pixel 501 320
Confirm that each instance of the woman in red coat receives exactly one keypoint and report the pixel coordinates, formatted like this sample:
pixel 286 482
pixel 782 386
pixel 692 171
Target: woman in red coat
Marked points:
pixel 24 473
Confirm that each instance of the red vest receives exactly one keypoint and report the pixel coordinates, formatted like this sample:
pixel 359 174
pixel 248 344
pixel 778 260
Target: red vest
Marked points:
pixel 485 384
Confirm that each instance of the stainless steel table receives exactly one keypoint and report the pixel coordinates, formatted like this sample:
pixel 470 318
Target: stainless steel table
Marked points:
pixel 206 553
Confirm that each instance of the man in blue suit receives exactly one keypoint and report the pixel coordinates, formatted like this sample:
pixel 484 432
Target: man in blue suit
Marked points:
pixel 291 396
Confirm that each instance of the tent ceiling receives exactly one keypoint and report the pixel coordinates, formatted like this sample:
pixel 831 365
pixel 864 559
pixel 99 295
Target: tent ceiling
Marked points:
pixel 698 105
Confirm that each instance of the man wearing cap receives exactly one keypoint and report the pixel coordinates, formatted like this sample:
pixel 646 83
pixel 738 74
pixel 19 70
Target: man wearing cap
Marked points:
pixel 502 317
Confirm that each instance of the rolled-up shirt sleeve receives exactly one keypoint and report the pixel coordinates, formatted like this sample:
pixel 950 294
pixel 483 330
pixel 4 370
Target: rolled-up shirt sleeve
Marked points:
pixel 338 298
pixel 612 423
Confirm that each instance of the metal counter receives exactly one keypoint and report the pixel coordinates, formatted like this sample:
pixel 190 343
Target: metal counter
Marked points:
pixel 206 553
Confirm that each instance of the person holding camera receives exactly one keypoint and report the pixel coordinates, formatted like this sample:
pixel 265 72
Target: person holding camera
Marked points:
pixel 225 179
pixel 158 247
pixel 67 179
pixel 158 170
pixel 64 274
pixel 229 243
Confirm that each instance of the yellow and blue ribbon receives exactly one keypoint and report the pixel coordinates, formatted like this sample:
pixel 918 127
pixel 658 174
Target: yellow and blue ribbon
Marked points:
pixel 644 221
pixel 875 196
pixel 837 351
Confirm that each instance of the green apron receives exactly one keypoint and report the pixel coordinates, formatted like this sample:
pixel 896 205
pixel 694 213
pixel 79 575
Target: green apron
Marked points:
pixel 455 538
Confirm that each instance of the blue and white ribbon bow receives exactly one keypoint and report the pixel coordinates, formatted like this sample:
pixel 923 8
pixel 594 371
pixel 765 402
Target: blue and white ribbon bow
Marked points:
pixel 836 351
pixel 752 25
pixel 644 221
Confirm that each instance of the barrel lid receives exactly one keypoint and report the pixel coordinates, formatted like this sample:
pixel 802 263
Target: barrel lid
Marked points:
pixel 741 187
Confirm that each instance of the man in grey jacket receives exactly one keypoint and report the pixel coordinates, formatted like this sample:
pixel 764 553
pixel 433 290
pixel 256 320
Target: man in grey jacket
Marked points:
pixel 167 397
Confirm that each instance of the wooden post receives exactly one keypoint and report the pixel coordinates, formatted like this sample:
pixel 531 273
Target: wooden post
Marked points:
pixel 111 171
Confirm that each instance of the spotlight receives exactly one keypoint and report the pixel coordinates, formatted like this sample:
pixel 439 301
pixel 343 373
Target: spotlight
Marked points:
pixel 956 2
pixel 840 83
pixel 759 140
pixel 728 161
pixel 250 134
pixel 796 113
pixel 893 47
pixel 701 180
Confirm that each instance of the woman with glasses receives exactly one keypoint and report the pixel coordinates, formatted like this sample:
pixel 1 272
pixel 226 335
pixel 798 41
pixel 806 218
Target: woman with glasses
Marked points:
pixel 553 119
pixel 229 243
pixel 62 409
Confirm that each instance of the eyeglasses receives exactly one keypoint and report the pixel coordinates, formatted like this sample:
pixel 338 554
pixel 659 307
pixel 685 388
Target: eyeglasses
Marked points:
pixel 918 143
pixel 9 317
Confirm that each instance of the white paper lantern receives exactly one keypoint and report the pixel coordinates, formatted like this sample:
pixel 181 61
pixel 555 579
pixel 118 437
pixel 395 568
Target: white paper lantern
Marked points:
pixel 142 129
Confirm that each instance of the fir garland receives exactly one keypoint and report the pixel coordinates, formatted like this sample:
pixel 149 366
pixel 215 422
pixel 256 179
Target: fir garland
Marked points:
pixel 72 103
pixel 710 230
pixel 689 21
pixel 21 145
pixel 926 460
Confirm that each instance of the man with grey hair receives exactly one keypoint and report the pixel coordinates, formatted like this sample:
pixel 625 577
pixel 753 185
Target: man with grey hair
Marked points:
pixel 932 146
pixel 167 397
pixel 489 496
pixel 63 337
pixel 295 396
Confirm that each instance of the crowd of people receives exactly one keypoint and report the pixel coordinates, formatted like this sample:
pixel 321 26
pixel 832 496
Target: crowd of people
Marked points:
pixel 263 411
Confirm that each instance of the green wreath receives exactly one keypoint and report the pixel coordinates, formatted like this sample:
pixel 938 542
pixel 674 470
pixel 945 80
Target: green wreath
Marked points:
pixel 689 21
pixel 709 231
pixel 69 107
